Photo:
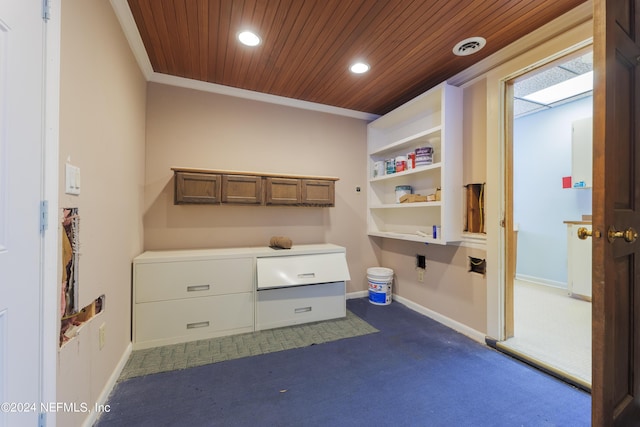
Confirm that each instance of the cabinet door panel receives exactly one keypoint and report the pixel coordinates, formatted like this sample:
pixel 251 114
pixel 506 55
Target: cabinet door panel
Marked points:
pixel 582 153
pixel 318 192
pixel 579 255
pixel 241 189
pixel 283 191
pixel 197 188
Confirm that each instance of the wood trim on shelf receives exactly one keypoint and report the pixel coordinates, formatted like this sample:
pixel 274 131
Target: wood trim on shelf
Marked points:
pixel 263 174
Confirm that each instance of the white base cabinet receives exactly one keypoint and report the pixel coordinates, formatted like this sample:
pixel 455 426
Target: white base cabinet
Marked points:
pixel 189 299
pixel 188 295
pixel 579 254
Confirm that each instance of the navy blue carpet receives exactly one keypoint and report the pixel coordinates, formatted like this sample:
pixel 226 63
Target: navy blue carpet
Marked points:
pixel 414 372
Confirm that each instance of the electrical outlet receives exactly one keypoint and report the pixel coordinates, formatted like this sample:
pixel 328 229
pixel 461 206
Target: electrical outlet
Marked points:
pixel 420 274
pixel 101 335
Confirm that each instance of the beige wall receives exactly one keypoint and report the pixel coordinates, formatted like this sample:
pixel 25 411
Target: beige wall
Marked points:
pixel 454 295
pixel 102 117
pixel 190 128
pixel 474 133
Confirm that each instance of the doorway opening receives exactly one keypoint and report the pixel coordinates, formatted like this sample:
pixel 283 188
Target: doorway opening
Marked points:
pixel 549 168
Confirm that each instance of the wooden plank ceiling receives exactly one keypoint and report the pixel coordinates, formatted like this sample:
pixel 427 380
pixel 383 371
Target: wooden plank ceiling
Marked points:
pixel 308 45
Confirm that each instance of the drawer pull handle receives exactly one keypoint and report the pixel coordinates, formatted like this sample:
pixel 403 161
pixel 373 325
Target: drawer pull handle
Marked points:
pixel 306 275
pixel 197 325
pixel 302 310
pixel 197 288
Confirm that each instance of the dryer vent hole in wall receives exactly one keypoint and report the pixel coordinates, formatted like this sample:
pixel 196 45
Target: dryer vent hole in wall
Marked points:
pixel 477 265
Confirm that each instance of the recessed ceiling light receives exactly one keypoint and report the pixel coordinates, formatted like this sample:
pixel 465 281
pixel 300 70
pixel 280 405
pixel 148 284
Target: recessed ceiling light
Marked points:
pixel 248 38
pixel 469 46
pixel 359 67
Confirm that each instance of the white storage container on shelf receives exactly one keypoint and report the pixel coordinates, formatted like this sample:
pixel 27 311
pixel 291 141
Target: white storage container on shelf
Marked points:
pixel 433 119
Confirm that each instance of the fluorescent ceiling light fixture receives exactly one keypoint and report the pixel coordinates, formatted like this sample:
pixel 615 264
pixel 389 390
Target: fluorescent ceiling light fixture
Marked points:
pixel 248 38
pixel 359 67
pixel 566 89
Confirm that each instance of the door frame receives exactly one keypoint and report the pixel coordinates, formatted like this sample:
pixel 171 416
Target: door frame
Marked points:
pixel 50 268
pixel 510 238
pixel 497 204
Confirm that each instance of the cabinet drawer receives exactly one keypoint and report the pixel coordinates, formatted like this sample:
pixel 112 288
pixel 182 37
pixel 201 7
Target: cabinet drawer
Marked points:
pixel 301 304
pixel 164 322
pixel 192 279
pixel 275 272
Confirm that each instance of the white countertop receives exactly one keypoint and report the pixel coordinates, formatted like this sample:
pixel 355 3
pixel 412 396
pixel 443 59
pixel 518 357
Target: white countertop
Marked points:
pixel 259 252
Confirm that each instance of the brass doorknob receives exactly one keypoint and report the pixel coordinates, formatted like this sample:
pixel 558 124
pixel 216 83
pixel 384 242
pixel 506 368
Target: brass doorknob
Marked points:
pixel 583 233
pixel 629 235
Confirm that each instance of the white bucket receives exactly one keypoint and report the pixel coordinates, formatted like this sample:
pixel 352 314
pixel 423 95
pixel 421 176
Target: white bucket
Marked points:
pixel 380 280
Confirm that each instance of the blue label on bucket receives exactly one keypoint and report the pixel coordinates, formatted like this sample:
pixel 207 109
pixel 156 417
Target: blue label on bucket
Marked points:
pixel 379 297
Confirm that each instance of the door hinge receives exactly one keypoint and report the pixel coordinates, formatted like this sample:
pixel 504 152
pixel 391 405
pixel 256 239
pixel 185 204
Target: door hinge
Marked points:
pixel 44 216
pixel 46 10
pixel 42 420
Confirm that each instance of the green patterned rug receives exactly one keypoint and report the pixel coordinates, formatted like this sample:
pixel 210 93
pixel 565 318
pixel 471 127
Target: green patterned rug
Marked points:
pixel 204 352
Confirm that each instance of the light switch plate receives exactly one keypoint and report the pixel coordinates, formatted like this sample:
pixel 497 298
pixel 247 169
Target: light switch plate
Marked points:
pixel 72 179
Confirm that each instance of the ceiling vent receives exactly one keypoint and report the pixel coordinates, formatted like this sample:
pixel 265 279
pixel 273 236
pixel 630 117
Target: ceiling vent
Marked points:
pixel 469 46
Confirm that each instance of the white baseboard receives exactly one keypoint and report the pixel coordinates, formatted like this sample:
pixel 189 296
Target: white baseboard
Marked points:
pixel 359 294
pixel 113 379
pixel 541 281
pixel 455 325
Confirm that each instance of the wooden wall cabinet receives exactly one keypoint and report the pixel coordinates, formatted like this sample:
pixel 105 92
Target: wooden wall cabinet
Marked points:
pixel 202 186
pixel 283 191
pixel 197 188
pixel 318 192
pixel 241 189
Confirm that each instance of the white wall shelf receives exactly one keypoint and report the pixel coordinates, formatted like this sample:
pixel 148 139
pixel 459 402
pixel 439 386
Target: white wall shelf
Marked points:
pixel 431 119
pixel 406 236
pixel 400 175
pixel 406 205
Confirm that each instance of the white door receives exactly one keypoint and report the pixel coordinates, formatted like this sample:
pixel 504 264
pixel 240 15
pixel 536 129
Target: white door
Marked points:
pixel 21 136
